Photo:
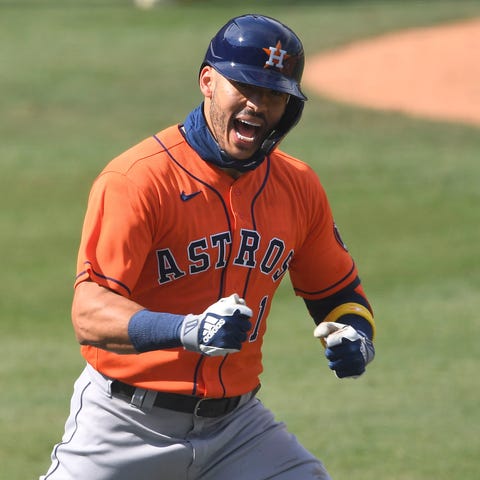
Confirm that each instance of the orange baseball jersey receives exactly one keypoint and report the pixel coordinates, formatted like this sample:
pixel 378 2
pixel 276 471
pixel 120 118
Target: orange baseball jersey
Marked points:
pixel 175 234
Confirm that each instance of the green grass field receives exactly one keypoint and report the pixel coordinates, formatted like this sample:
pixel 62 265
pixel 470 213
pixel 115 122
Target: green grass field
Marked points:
pixel 81 81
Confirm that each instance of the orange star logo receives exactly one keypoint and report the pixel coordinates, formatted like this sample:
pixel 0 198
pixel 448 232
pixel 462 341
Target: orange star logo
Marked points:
pixel 276 56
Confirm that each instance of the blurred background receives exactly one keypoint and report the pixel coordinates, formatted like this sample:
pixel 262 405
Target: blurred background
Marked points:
pixel 82 80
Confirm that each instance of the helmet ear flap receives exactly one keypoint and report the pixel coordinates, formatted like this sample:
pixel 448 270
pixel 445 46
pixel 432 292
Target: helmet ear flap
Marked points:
pixel 292 115
pixel 290 118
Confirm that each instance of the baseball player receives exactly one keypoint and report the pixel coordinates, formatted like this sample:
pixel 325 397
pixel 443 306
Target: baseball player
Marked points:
pixel 186 237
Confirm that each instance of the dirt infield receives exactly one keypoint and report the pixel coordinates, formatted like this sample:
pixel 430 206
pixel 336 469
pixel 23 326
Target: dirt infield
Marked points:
pixel 427 72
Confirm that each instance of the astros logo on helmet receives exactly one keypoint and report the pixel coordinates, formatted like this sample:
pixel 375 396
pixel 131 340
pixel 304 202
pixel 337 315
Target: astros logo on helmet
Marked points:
pixel 276 56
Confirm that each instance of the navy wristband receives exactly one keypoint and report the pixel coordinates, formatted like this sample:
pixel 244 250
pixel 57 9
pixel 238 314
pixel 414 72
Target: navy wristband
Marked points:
pixel 154 330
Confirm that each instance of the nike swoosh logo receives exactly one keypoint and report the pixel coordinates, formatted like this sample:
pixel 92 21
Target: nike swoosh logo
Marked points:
pixel 185 197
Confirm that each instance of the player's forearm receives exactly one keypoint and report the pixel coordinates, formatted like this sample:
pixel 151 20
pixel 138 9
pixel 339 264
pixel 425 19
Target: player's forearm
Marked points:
pixel 106 320
pixel 100 318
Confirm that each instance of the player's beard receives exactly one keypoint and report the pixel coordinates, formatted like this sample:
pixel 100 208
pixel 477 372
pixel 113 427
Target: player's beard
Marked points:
pixel 223 130
pixel 219 122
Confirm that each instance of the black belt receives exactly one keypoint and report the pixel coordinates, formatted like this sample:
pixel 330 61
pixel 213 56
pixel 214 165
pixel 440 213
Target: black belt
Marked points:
pixel 199 406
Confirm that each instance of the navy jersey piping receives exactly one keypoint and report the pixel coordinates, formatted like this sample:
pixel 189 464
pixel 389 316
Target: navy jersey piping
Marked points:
pixel 100 275
pixel 252 213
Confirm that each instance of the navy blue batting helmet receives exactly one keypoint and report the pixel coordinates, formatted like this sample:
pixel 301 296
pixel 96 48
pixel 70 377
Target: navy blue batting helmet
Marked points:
pixel 258 50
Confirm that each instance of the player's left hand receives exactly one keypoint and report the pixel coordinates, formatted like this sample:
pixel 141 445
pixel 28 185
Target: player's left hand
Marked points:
pixel 348 350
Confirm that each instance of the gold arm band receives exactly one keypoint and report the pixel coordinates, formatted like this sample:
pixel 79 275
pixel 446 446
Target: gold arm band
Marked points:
pixel 352 308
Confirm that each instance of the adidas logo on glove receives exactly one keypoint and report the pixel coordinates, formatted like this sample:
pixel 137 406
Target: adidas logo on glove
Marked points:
pixel 211 326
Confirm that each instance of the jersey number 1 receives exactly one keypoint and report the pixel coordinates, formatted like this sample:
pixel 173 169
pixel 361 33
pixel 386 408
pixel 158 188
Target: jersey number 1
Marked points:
pixel 261 313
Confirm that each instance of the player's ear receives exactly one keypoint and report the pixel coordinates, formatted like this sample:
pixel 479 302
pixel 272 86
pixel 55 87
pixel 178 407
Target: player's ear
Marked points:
pixel 205 79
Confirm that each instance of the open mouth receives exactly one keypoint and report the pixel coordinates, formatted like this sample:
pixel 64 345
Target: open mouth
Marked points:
pixel 246 131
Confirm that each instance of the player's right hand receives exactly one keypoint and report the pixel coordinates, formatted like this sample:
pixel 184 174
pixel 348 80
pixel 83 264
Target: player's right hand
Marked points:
pixel 219 330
